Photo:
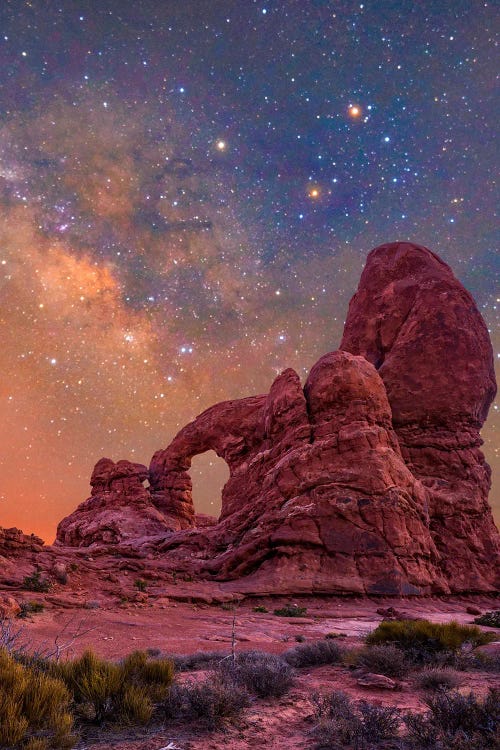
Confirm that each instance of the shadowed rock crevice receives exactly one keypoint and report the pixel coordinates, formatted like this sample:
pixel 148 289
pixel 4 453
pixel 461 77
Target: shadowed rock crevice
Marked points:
pixel 369 479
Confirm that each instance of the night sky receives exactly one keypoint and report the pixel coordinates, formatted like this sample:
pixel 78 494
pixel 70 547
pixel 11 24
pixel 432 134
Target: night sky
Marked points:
pixel 188 192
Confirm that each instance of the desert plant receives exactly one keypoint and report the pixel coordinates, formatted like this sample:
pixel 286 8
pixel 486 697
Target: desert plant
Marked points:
pixel 95 685
pixel 212 702
pixel 378 722
pixel 313 654
pixel 35 582
pixel 457 722
pixel 264 675
pixel 422 640
pixel 134 705
pixel 32 704
pixel 338 724
pixel 385 659
pixel 198 660
pixel 141 584
pixel 437 679
pixel 154 675
pixel 490 619
pixel 291 610
pixel 30 608
pixel 260 608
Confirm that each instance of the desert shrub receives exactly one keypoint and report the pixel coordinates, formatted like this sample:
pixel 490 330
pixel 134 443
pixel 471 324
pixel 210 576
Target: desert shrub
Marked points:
pixel 134 705
pixel 141 584
pixel 423 640
pixel 35 582
pixel 312 654
pixel 30 608
pixel 32 704
pixel 437 679
pixel 385 659
pixel 264 675
pixel 198 660
pixel 487 663
pixel 124 692
pixel 95 685
pixel 378 722
pixel 457 722
pixel 154 675
pixel 260 608
pixel 212 702
pixel 291 610
pixel 490 619
pixel 343 724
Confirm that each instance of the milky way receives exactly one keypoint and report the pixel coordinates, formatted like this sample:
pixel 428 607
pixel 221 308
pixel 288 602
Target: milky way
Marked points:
pixel 188 192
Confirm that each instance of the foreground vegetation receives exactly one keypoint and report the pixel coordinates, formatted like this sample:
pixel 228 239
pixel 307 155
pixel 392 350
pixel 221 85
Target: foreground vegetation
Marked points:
pixel 48 703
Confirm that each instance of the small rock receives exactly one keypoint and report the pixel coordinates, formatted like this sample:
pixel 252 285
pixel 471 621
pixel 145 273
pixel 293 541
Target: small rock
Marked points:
pixel 9 607
pixel 60 572
pixel 372 680
pixel 473 611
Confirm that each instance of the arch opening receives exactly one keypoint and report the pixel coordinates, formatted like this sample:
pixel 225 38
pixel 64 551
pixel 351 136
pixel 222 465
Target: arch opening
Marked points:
pixel 209 473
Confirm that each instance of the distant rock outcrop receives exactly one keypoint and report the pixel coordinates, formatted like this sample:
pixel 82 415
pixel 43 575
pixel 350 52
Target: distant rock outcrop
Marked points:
pixel 368 480
pixel 119 508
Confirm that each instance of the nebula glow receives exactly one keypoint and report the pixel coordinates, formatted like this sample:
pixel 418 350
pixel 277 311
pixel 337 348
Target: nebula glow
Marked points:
pixel 188 192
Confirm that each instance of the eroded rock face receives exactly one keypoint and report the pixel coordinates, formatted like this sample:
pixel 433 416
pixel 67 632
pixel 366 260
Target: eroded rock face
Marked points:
pixel 421 329
pixel 367 480
pixel 118 509
pixel 323 502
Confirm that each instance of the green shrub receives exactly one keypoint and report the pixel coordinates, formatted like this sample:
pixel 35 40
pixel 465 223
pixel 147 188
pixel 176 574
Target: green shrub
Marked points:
pixel 490 619
pixel 291 610
pixel 385 659
pixel 154 675
pixel 313 654
pixel 32 704
pixel 134 706
pixel 30 608
pixel 422 640
pixel 35 582
pixel 141 584
pixel 260 608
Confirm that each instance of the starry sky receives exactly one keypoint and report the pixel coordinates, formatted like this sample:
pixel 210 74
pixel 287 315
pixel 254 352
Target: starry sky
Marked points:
pixel 188 192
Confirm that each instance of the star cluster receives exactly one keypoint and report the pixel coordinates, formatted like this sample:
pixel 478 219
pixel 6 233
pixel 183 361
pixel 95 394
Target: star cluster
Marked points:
pixel 188 192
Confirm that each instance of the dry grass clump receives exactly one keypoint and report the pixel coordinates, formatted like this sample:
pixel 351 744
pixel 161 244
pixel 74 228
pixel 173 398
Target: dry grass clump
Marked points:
pixel 34 708
pixel 385 659
pixel 261 674
pixel 123 693
pixel 424 641
pixel 314 654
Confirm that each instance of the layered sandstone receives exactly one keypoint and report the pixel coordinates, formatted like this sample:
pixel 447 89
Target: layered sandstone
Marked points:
pixel 369 479
pixel 413 320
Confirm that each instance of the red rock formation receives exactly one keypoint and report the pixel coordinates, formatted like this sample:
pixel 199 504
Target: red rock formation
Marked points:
pixel 330 491
pixel 118 509
pixel 421 329
pixel 324 502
